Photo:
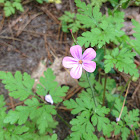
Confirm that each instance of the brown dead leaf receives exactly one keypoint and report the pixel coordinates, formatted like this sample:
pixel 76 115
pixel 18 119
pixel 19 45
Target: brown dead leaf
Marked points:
pixel 62 76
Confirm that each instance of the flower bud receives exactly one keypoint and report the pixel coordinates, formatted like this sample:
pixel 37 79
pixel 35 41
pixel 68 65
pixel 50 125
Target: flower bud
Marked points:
pixel 49 99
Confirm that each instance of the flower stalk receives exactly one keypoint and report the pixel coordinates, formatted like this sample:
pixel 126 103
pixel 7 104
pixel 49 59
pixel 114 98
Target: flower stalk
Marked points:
pixel 93 95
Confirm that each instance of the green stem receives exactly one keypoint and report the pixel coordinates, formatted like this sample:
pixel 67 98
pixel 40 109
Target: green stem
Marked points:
pixel 94 99
pixel 136 137
pixel 104 89
pixel 73 38
pixel 66 123
pixel 38 98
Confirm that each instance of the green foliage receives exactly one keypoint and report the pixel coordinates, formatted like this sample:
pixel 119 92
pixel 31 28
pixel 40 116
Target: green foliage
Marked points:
pixel 136 42
pixel 128 119
pixel 123 60
pixel 11 7
pixel 97 3
pixel 89 117
pixel 19 86
pixel 69 22
pixel 2 111
pixel 36 113
pixel 48 85
pixel 103 29
pixel 34 118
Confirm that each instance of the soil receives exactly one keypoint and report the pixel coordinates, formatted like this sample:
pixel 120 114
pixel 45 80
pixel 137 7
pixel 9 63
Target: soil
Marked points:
pixel 29 37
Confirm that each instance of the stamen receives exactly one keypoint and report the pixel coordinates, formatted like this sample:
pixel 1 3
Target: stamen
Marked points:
pixel 80 61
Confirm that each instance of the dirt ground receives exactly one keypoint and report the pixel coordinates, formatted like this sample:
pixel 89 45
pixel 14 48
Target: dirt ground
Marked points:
pixel 34 35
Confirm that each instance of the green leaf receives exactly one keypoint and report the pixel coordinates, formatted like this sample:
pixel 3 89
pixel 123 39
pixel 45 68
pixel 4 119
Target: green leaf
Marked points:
pixel 136 41
pixel 117 108
pixel 20 114
pixel 132 118
pixel 18 6
pixel 19 86
pixel 101 121
pixel 84 82
pixel 103 29
pixel 97 3
pixel 82 125
pixel 121 128
pixel 2 111
pixel 81 104
pixel 35 112
pixel 1 1
pixel 48 85
pixel 8 9
pixel 123 61
pixel 69 21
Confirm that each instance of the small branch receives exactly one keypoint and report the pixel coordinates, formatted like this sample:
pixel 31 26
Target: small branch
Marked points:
pixel 94 99
pixel 104 90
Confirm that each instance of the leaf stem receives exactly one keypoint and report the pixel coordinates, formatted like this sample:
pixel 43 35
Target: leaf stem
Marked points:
pixel 94 99
pixel 38 98
pixel 104 90
pixel 66 123
pixel 73 37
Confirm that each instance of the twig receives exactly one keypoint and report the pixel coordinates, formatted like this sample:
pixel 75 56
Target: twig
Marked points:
pixel 47 49
pixel 20 103
pixel 12 103
pixel 50 14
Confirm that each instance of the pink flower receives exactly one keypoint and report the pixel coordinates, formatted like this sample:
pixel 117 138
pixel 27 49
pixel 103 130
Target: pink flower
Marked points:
pixel 49 99
pixel 80 61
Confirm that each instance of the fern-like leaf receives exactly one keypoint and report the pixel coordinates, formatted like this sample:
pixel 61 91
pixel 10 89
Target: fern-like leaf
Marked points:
pixel 123 60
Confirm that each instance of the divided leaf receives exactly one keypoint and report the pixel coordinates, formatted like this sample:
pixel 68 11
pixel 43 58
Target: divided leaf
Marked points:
pixel 19 86
pixel 136 42
pixel 123 60
pixel 48 85
pixel 32 110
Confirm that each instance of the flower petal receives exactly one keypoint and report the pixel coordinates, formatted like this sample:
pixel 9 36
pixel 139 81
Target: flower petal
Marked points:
pixel 69 62
pixel 89 66
pixel 76 72
pixel 89 54
pixel 76 51
pixel 49 99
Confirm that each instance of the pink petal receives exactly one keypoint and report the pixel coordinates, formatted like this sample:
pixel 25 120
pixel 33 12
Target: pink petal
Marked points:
pixel 76 72
pixel 76 51
pixel 89 54
pixel 69 62
pixel 89 66
pixel 49 99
